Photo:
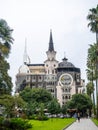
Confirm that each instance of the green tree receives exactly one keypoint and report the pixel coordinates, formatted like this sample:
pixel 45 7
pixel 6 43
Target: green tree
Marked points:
pixel 5 46
pixel 34 97
pixel 64 109
pixel 91 71
pixel 90 88
pixel 80 102
pixel 5 79
pixel 31 109
pixel 38 95
pixel 5 38
pixel 93 24
pixel 54 107
pixel 93 18
pixel 11 104
pixel 41 111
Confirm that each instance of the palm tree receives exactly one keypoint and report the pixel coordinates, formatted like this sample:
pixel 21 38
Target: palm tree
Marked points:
pixel 93 24
pixel 5 38
pixel 93 18
pixel 91 63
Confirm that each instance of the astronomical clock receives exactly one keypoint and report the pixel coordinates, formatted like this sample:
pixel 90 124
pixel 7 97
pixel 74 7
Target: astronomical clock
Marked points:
pixel 66 80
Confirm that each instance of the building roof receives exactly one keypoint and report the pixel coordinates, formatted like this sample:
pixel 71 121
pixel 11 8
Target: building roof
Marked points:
pixel 35 64
pixel 24 69
pixel 65 64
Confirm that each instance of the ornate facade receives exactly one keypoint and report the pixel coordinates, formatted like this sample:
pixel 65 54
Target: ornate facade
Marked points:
pixel 62 79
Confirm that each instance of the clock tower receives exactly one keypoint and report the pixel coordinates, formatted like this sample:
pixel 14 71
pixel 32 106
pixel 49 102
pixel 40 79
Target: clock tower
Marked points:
pixel 68 77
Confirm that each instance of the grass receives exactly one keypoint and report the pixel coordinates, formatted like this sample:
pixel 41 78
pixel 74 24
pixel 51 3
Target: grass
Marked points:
pixel 51 124
pixel 95 121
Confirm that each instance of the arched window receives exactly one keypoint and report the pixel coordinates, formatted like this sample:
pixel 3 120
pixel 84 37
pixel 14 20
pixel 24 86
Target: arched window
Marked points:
pixel 66 89
pixel 52 71
pixel 63 97
pixel 66 97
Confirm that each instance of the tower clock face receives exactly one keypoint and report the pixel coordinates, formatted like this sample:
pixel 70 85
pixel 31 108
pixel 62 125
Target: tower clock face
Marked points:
pixel 66 80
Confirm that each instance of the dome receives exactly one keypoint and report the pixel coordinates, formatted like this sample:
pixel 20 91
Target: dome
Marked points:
pixel 24 69
pixel 65 64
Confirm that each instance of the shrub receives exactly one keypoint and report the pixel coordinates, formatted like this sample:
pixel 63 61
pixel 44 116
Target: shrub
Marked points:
pixel 19 124
pixel 14 124
pixel 1 122
pixel 32 117
pixel 4 124
pixel 42 118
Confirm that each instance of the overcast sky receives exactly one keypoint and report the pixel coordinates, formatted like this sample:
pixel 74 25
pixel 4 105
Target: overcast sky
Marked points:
pixel 33 19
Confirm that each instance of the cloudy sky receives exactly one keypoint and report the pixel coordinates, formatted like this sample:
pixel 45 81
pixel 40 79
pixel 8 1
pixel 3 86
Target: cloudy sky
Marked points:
pixel 33 19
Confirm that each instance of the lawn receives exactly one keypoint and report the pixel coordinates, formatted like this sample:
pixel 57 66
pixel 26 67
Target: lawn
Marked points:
pixel 51 124
pixel 95 121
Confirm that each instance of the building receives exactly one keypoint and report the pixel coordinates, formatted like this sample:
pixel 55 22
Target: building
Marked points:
pixel 62 79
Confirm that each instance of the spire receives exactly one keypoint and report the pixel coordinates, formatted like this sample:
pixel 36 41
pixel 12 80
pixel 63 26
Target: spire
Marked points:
pixel 51 47
pixel 64 59
pixel 25 52
pixel 26 59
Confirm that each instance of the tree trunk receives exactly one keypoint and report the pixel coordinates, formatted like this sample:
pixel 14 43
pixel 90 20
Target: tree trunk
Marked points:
pixel 94 109
pixel 97 76
pixel 97 96
pixel 97 37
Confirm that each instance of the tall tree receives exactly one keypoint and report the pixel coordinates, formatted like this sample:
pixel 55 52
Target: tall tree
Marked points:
pixel 5 46
pixel 5 38
pixel 5 79
pixel 93 18
pixel 34 97
pixel 54 107
pixel 93 24
pixel 11 105
pixel 80 102
pixel 90 88
pixel 91 71
pixel 38 95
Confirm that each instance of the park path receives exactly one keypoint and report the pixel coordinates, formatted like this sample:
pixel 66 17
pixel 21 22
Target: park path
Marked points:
pixel 84 124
